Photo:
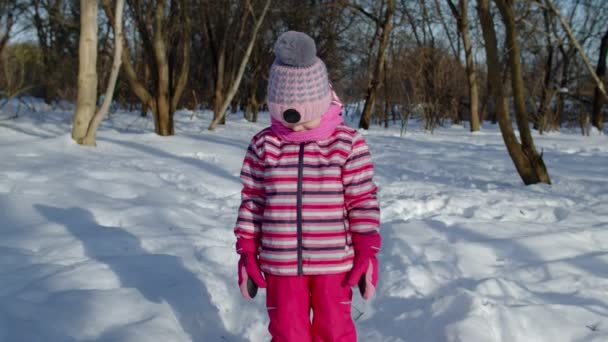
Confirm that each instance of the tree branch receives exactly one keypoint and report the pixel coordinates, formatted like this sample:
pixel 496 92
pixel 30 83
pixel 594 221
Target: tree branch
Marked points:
pixel 361 10
pixel 599 83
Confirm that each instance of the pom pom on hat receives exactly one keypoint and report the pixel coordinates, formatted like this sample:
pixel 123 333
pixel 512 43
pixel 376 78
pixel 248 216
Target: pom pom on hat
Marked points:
pixel 298 80
pixel 295 49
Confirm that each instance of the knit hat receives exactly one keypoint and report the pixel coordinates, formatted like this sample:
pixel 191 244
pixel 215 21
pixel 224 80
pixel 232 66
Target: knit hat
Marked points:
pixel 298 86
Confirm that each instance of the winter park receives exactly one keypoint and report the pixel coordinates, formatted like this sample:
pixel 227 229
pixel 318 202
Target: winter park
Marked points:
pixel 259 170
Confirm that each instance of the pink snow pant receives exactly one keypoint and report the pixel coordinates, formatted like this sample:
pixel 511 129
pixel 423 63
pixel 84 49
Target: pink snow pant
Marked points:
pixel 289 300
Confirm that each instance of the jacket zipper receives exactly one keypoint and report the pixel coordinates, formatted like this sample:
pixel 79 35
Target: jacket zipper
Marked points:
pixel 299 206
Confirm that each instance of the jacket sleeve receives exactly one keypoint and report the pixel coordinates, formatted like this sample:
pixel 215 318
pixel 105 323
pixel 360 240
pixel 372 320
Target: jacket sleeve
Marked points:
pixel 253 199
pixel 360 195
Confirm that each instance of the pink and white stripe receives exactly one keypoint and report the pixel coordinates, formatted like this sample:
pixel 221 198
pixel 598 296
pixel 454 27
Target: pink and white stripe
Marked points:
pixel 338 200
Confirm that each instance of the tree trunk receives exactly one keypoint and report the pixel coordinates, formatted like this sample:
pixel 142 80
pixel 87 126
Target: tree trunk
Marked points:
pixel 558 113
pixel 386 98
pixel 91 135
pixel 585 122
pixel 542 115
pixel 471 74
pixel 535 160
pixel 87 69
pixel 182 79
pixel 248 110
pixel 195 104
pixel 144 110
pixel 256 110
pixel 394 114
pixel 386 113
pixel 520 159
pixel 163 117
pixel 376 79
pixel 252 101
pixel 597 116
pixel 462 19
pixel 234 107
pixel 144 104
pixel 136 86
pixel 455 111
pixel 218 99
pixel 490 105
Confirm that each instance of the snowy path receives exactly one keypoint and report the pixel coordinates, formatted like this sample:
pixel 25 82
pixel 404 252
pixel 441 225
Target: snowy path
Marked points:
pixel 132 240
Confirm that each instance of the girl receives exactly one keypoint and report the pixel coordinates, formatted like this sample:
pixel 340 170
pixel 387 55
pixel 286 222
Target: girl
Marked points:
pixel 308 225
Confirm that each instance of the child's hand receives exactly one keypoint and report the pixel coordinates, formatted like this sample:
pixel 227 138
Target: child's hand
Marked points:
pixel 365 268
pixel 364 274
pixel 250 275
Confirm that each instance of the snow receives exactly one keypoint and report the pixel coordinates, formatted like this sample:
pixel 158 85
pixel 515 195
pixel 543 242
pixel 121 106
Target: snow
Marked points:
pixel 132 240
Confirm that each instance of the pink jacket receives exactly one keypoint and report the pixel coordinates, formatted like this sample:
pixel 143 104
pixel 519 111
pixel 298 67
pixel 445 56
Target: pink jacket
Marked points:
pixel 302 202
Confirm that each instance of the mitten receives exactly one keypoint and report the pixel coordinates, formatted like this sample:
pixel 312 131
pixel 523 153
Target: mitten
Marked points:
pixel 249 273
pixel 364 273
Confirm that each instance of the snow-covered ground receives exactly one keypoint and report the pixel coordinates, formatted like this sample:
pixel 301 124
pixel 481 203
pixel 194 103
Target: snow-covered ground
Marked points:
pixel 132 240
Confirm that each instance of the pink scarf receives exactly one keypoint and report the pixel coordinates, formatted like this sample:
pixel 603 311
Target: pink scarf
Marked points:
pixel 329 121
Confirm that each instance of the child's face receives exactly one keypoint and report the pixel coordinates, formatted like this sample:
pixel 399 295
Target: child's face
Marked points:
pixel 304 126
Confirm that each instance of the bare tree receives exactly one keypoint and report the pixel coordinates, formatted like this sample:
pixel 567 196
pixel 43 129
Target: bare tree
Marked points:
pixel 542 117
pixel 598 82
pixel 258 70
pixel 56 25
pixel 12 77
pixel 526 164
pixel 87 69
pixel 223 105
pixel 219 19
pixel 597 113
pixel 433 77
pixel 451 37
pixel 164 28
pixel 384 26
pixel 461 14
pixel 586 16
pixel 8 12
pixel 535 164
pixel 85 125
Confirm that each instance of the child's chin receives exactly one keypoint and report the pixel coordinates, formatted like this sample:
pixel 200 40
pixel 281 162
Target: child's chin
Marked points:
pixel 294 128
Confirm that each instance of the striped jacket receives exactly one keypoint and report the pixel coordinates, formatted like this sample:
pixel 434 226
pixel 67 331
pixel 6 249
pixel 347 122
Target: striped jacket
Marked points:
pixel 301 202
